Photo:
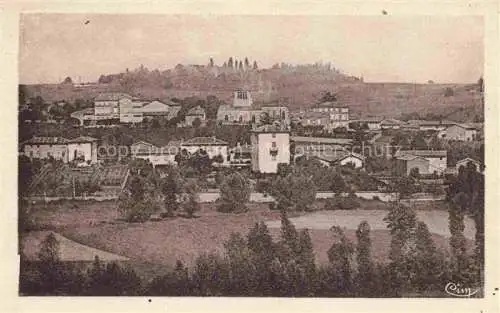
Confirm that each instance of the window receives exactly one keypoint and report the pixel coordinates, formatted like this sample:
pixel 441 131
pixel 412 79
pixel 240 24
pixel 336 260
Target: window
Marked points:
pixel 240 119
pixel 273 135
pixel 273 157
pixel 226 118
pixel 273 144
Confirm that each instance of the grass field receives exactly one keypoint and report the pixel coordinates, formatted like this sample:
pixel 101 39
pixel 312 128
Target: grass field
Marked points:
pixel 163 242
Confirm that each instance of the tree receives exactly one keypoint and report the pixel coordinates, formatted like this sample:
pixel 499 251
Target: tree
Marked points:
pixel 49 250
pixel 328 97
pixel 136 201
pixel 418 143
pixel 211 63
pixel 431 271
pixel 197 122
pixel 247 63
pixel 339 256
pixel 255 65
pixel 175 283
pixel 171 187
pixel 191 204
pixel 290 193
pixel 211 275
pixel 448 92
pixel 402 223
pixel 265 119
pixel 230 62
pixel 234 194
pixel 68 80
pixel 365 280
pixel 480 83
pixel 263 253
pixel 243 271
pixel 240 65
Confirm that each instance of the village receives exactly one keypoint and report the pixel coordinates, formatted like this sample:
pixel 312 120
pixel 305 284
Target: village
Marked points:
pixel 207 156
pixel 275 136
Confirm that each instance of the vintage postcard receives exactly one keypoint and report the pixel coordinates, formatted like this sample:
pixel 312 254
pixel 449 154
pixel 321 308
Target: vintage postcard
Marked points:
pixel 221 156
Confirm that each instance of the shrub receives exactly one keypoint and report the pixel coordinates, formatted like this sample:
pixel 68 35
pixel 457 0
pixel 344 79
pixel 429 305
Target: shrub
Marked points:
pixel 273 206
pixel 376 198
pixel 342 203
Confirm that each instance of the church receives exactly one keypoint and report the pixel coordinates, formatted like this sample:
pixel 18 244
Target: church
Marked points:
pixel 243 111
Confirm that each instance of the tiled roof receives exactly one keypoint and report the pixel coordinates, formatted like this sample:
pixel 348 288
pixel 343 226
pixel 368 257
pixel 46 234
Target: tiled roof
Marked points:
pixel 196 111
pixel 467 126
pixel 369 120
pixel 332 104
pixel 339 155
pixel 423 153
pixel 270 129
pixel 111 96
pixel 83 139
pixel 321 140
pixel 392 121
pixel 46 141
pixel 466 160
pixel 431 123
pixel 204 141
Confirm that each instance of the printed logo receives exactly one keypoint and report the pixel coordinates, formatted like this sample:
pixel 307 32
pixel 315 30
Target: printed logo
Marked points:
pixel 458 290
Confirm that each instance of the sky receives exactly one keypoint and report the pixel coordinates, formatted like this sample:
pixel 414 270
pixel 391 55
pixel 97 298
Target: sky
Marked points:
pixel 380 48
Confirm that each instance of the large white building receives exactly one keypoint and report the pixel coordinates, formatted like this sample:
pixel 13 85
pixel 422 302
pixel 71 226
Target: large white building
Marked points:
pixel 270 147
pixel 107 105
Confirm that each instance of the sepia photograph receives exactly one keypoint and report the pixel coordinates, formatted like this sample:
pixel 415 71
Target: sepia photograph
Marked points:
pixel 290 156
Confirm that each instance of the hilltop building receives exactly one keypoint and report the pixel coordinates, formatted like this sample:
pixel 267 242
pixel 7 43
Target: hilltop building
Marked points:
pixel 243 111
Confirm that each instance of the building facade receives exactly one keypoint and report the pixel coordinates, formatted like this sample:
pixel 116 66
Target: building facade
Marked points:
pixel 459 132
pixel 155 155
pixel 437 159
pixel 270 147
pixel 212 146
pixel 82 149
pixel 242 111
pixel 107 105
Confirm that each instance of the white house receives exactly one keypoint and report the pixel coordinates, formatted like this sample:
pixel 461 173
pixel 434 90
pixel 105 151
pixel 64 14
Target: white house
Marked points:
pixel 213 146
pixel 155 108
pixel 373 124
pixel 107 105
pixel 45 148
pixel 270 147
pixel 465 162
pixel 83 148
pixel 342 158
pixel 67 150
pixel 460 132
pixel 391 124
pixel 155 155
pixel 437 158
pixel 130 111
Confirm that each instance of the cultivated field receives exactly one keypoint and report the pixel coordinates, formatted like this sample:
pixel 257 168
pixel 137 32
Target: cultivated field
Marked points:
pixel 163 242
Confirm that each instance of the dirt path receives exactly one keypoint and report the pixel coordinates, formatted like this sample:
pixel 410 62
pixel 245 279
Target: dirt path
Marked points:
pixel 437 221
pixel 69 249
